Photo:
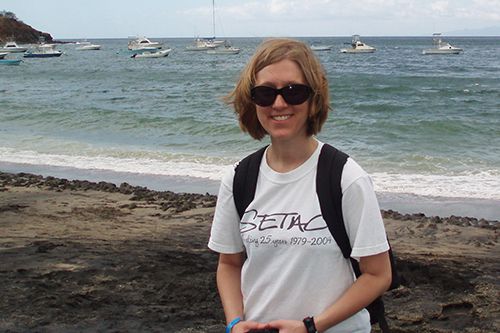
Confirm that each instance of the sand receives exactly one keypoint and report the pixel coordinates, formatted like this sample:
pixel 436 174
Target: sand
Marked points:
pixel 84 257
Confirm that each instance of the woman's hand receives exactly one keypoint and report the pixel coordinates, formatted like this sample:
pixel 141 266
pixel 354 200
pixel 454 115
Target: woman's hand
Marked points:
pixel 288 326
pixel 245 326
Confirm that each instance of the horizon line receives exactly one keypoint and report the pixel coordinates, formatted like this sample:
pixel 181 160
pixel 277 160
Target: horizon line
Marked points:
pixel 282 36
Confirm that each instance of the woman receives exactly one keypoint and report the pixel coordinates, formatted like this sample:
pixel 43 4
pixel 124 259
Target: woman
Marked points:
pixel 275 275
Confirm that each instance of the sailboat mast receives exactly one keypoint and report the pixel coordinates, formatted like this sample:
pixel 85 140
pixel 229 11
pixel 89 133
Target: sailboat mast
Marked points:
pixel 213 16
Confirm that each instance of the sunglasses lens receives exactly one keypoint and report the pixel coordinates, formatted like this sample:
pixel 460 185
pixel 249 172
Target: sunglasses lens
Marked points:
pixel 264 96
pixel 293 94
pixel 296 94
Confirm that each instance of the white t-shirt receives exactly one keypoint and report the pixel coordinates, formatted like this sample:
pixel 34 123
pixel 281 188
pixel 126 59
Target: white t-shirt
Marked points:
pixel 294 267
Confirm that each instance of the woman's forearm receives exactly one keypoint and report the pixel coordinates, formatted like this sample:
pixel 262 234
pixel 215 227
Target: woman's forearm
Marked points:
pixel 229 286
pixel 372 283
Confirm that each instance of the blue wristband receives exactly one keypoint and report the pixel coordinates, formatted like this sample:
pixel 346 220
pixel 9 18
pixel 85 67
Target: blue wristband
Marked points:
pixel 230 326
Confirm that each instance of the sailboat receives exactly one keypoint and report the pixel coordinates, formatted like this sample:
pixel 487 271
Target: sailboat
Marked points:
pixel 211 44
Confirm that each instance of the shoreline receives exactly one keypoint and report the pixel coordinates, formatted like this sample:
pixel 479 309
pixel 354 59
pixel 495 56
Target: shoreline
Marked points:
pixel 404 204
pixel 153 182
pixel 85 256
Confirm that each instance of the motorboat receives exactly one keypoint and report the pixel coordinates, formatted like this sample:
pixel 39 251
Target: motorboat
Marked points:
pixel 13 47
pixel 154 54
pixel 441 47
pixel 318 47
pixel 88 46
pixel 43 51
pixel 4 61
pixel 143 44
pixel 357 46
pixel 227 49
pixel 224 50
pixel 10 62
pixel 203 44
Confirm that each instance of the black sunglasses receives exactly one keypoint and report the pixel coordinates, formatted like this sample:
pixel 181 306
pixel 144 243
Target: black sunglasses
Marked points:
pixel 293 94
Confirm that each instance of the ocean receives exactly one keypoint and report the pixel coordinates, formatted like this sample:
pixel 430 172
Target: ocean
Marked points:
pixel 426 127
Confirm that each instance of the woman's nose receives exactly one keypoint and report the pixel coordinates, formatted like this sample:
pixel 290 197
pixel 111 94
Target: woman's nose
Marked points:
pixel 279 102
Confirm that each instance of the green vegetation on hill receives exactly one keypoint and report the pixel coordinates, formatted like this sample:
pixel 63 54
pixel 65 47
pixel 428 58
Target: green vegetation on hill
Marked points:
pixel 11 28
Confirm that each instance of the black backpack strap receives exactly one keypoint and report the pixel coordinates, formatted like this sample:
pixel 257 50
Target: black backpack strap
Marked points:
pixel 330 166
pixel 396 279
pixel 328 187
pixel 245 178
pixel 377 314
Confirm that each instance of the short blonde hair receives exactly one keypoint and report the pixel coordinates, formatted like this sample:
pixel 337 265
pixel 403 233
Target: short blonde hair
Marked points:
pixel 269 52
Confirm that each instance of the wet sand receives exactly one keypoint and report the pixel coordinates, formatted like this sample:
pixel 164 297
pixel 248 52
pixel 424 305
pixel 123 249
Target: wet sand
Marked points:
pixel 78 256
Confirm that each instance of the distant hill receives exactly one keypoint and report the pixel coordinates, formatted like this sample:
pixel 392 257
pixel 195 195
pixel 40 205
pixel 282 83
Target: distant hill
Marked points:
pixel 12 28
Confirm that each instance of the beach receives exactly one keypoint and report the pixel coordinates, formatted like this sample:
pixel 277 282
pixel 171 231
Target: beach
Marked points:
pixel 79 256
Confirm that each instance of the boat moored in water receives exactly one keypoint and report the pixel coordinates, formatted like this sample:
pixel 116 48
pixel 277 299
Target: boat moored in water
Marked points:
pixel 143 44
pixel 43 51
pixel 224 50
pixel 10 62
pixel 203 44
pixel 441 47
pixel 88 46
pixel 150 54
pixel 357 46
pixel 227 49
pixel 12 47
pixel 212 45
pixel 317 47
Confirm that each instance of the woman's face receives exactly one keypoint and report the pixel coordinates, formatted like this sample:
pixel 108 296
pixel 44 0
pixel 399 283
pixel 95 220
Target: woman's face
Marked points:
pixel 281 120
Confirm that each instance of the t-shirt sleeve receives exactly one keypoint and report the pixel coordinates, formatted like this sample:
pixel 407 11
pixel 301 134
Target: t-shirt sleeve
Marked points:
pixel 361 212
pixel 225 234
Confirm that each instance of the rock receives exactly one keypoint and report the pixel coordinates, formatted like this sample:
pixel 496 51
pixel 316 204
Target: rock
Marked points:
pixel 12 28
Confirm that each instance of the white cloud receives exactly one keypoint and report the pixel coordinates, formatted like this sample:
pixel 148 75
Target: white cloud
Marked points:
pixel 373 9
pixel 111 18
pixel 440 7
pixel 280 7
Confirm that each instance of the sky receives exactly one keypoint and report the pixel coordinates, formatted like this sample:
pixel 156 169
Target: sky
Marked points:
pixel 69 19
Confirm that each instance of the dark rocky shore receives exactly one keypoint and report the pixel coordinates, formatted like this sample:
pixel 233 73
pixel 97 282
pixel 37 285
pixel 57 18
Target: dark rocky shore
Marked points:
pixel 179 202
pixel 185 201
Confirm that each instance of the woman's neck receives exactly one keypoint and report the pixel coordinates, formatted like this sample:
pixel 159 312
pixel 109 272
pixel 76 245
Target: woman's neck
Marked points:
pixel 287 156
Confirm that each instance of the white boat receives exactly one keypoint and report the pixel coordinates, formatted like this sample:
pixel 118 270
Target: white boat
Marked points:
pixel 87 46
pixel 357 46
pixel 441 47
pixel 206 44
pixel 90 47
pixel 143 44
pixel 224 50
pixel 202 44
pixel 13 47
pixel 3 54
pixel 321 47
pixel 43 51
pixel 150 54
